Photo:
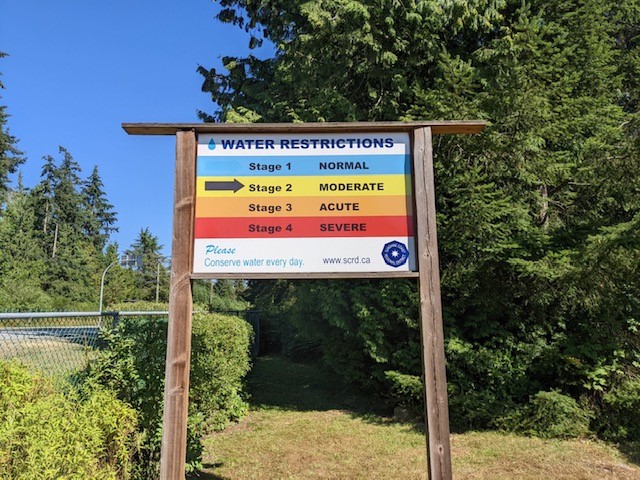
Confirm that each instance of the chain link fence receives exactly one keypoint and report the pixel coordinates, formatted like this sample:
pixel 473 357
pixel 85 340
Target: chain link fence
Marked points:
pixel 56 343
pixel 61 343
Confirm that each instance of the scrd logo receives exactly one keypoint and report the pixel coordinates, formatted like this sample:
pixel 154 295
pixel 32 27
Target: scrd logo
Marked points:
pixel 395 253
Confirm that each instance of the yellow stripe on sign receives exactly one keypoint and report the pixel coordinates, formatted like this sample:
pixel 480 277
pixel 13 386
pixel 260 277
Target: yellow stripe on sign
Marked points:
pixel 304 186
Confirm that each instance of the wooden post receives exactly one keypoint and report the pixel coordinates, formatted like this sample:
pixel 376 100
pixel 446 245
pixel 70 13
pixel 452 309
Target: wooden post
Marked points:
pixel 173 454
pixel 433 360
pixel 176 390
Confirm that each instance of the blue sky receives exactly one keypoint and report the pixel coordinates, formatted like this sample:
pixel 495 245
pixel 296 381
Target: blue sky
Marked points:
pixel 78 69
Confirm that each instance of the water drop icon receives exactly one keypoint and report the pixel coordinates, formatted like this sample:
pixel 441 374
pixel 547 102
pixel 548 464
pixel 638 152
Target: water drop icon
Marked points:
pixel 212 144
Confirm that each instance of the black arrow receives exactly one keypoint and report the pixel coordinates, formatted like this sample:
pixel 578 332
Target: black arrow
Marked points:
pixel 235 185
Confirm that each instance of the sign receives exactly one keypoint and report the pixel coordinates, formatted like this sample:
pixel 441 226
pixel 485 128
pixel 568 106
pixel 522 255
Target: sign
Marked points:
pixel 282 198
pixel 304 203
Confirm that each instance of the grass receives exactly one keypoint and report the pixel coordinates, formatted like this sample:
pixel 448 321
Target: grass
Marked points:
pixel 305 424
pixel 55 358
pixel 492 455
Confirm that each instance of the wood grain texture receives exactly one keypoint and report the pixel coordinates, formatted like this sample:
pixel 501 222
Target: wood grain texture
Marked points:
pixel 176 393
pixel 437 127
pixel 435 381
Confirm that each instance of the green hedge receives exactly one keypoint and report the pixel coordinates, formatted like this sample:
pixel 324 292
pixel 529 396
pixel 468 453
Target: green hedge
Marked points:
pixel 139 306
pixel 132 365
pixel 46 434
pixel 219 362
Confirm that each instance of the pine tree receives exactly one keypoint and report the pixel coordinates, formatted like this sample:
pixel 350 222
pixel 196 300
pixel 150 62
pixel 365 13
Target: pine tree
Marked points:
pixel 58 201
pixel 66 195
pixel 73 263
pixel 10 156
pixel 100 218
pixel 520 206
pixel 22 262
pixel 119 285
pixel 152 275
pixel 43 194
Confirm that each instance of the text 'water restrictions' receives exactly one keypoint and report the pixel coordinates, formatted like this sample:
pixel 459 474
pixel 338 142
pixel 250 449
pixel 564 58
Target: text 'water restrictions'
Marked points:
pixel 304 203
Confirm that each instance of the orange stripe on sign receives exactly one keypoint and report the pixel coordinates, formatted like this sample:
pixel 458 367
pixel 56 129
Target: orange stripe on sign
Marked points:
pixel 393 205
pixel 304 227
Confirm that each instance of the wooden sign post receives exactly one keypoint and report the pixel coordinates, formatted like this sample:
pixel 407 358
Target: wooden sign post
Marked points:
pixel 176 390
pixel 245 193
pixel 433 360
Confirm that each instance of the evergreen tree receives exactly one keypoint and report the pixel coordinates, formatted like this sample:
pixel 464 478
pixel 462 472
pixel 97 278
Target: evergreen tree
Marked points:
pixel 22 263
pixel 10 156
pixel 520 207
pixel 73 264
pixel 152 276
pixel 72 275
pixel 100 218
pixel 119 285
pixel 58 201
pixel 66 194
pixel 43 194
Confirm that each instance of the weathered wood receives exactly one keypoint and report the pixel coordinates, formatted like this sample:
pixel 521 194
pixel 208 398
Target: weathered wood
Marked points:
pixel 304 276
pixel 437 127
pixel 176 393
pixel 436 403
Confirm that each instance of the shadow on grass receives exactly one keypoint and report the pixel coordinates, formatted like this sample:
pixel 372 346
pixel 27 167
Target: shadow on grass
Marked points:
pixel 206 475
pixel 631 452
pixel 279 383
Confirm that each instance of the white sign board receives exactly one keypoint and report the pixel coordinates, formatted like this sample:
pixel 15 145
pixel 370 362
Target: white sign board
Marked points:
pixel 304 203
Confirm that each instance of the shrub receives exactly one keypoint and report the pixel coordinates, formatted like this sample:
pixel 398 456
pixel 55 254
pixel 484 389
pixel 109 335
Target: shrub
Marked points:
pixel 220 360
pixel 486 379
pixel 620 411
pixel 133 366
pixel 406 390
pixel 18 387
pixel 549 415
pixel 46 434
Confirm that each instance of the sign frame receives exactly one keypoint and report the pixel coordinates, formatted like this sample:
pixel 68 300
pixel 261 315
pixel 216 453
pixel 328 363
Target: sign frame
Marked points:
pixel 173 453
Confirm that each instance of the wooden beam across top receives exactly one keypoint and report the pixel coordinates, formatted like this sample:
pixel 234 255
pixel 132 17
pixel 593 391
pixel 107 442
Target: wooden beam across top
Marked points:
pixel 437 127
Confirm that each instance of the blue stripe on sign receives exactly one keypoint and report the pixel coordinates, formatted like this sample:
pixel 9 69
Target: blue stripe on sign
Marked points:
pixel 248 166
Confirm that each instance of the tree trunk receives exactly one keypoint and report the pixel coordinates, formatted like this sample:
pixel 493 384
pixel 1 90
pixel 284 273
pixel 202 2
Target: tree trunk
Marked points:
pixel 55 242
pixel 543 215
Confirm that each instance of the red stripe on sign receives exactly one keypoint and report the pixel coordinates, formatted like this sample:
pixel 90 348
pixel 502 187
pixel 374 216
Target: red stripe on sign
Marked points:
pixel 292 227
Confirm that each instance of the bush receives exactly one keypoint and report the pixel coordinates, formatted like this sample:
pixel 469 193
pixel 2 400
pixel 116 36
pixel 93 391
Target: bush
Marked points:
pixel 549 415
pixel 487 379
pixel 133 366
pixel 618 419
pixel 46 434
pixel 406 390
pixel 220 360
